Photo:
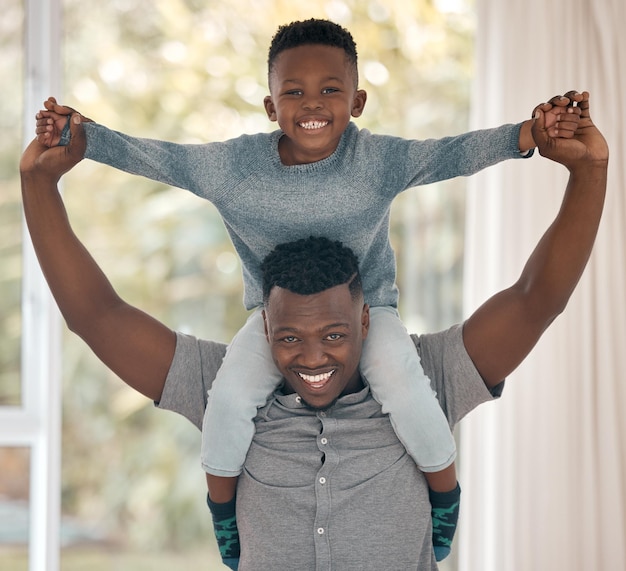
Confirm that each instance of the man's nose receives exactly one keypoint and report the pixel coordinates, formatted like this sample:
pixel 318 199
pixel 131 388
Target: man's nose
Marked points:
pixel 312 355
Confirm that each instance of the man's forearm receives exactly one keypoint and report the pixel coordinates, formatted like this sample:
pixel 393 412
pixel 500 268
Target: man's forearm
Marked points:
pixel 558 261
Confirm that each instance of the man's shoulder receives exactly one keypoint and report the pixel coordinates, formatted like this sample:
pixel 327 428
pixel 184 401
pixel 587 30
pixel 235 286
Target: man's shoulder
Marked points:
pixel 453 375
pixel 193 369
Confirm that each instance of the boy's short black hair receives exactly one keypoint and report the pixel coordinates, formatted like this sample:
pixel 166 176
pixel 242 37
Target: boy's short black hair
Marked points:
pixel 308 32
pixel 311 265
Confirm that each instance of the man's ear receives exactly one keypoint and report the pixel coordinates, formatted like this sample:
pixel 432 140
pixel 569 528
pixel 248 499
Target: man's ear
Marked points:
pixel 270 108
pixel 267 334
pixel 358 104
pixel 365 320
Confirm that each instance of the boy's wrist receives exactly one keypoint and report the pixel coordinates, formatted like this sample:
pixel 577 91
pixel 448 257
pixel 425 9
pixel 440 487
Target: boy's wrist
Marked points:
pixel 526 141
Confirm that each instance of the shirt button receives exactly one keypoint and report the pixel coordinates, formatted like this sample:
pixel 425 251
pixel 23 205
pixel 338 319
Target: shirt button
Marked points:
pixel 323 414
pixel 298 399
pixel 322 480
pixel 324 440
pixel 320 530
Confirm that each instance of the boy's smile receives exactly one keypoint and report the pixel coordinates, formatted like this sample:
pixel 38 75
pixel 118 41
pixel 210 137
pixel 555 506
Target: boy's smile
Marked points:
pixel 313 96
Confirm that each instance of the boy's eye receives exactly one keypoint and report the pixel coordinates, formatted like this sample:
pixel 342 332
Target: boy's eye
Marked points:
pixel 328 90
pixel 294 92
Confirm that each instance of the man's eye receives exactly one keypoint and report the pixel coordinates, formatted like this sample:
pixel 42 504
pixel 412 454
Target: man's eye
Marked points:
pixel 334 337
pixel 290 339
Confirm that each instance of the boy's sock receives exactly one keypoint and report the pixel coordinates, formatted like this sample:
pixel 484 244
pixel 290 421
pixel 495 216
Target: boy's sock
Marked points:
pixel 226 533
pixel 445 515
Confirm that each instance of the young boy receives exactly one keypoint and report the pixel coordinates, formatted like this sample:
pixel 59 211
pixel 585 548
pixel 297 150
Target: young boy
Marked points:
pixel 318 175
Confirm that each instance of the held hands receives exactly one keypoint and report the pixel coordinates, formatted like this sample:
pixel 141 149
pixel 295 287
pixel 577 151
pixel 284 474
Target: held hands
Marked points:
pixel 51 121
pixel 52 163
pixel 578 143
pixel 560 120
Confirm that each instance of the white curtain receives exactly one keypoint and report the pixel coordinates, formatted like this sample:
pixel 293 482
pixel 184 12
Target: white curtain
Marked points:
pixel 544 469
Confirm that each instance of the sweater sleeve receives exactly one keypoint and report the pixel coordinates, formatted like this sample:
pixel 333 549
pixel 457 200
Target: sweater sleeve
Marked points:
pixel 186 166
pixel 433 160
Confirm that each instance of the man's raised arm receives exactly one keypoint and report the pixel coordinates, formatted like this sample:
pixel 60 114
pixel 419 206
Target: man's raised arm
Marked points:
pixel 131 343
pixel 500 333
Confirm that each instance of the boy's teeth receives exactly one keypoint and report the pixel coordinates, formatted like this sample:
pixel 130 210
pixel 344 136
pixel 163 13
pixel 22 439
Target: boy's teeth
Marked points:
pixel 314 124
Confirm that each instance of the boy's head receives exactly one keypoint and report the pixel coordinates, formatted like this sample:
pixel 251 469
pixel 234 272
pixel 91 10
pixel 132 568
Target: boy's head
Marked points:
pixel 314 92
pixel 313 32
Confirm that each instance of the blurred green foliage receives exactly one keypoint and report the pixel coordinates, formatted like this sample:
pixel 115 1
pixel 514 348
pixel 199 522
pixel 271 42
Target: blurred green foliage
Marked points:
pixel 194 71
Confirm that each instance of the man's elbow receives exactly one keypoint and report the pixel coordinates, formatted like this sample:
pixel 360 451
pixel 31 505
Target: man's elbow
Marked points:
pixel 543 306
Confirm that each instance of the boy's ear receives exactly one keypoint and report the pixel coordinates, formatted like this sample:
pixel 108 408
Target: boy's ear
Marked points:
pixel 270 109
pixel 360 97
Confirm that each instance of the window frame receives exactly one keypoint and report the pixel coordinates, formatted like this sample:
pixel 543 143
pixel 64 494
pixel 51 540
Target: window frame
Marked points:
pixel 36 422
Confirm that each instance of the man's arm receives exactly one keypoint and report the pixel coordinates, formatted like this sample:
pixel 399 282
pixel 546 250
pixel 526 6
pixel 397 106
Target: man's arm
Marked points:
pixel 132 344
pixel 500 333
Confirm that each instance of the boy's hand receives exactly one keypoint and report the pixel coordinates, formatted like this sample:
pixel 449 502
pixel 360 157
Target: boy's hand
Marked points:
pixel 561 119
pixel 51 121
pixel 40 161
pixel 584 149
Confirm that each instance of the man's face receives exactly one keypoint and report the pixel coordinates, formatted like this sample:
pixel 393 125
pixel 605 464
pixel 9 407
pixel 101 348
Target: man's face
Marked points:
pixel 316 342
pixel 313 95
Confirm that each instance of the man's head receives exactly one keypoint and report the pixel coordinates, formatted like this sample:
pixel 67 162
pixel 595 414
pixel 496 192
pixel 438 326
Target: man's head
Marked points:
pixel 313 81
pixel 315 318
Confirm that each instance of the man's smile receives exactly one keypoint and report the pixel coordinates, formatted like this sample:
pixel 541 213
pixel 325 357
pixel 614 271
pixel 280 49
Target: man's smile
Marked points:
pixel 316 381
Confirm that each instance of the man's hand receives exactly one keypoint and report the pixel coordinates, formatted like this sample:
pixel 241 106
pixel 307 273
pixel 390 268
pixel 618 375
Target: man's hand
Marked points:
pixel 53 163
pixel 51 121
pixel 587 146
pixel 561 119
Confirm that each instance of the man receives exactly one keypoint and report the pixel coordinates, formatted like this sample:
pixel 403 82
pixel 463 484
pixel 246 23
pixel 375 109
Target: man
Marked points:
pixel 326 484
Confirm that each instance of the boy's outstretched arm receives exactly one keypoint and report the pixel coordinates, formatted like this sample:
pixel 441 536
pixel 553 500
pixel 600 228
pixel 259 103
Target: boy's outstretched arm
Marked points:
pixel 560 120
pixel 132 344
pixel 500 333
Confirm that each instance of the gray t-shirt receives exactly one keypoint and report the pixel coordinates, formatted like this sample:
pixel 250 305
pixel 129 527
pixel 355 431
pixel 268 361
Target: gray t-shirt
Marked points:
pixel 333 489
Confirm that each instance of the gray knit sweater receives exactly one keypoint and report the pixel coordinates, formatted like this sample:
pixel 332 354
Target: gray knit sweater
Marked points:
pixel 344 197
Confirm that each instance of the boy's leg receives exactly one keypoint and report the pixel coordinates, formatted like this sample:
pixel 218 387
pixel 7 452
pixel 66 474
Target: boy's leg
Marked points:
pixel 221 502
pixel 393 370
pixel 245 380
pixel 445 499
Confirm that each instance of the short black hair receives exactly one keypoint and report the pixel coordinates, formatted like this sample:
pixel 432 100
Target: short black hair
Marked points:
pixel 311 265
pixel 309 32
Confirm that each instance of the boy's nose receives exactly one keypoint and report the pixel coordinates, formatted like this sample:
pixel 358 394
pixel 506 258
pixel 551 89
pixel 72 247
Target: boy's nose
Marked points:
pixel 313 102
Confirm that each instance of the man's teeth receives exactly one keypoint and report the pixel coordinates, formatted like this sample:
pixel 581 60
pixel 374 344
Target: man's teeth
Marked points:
pixel 313 124
pixel 316 379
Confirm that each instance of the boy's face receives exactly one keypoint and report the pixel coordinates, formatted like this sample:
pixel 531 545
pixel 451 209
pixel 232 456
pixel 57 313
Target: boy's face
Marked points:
pixel 313 95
